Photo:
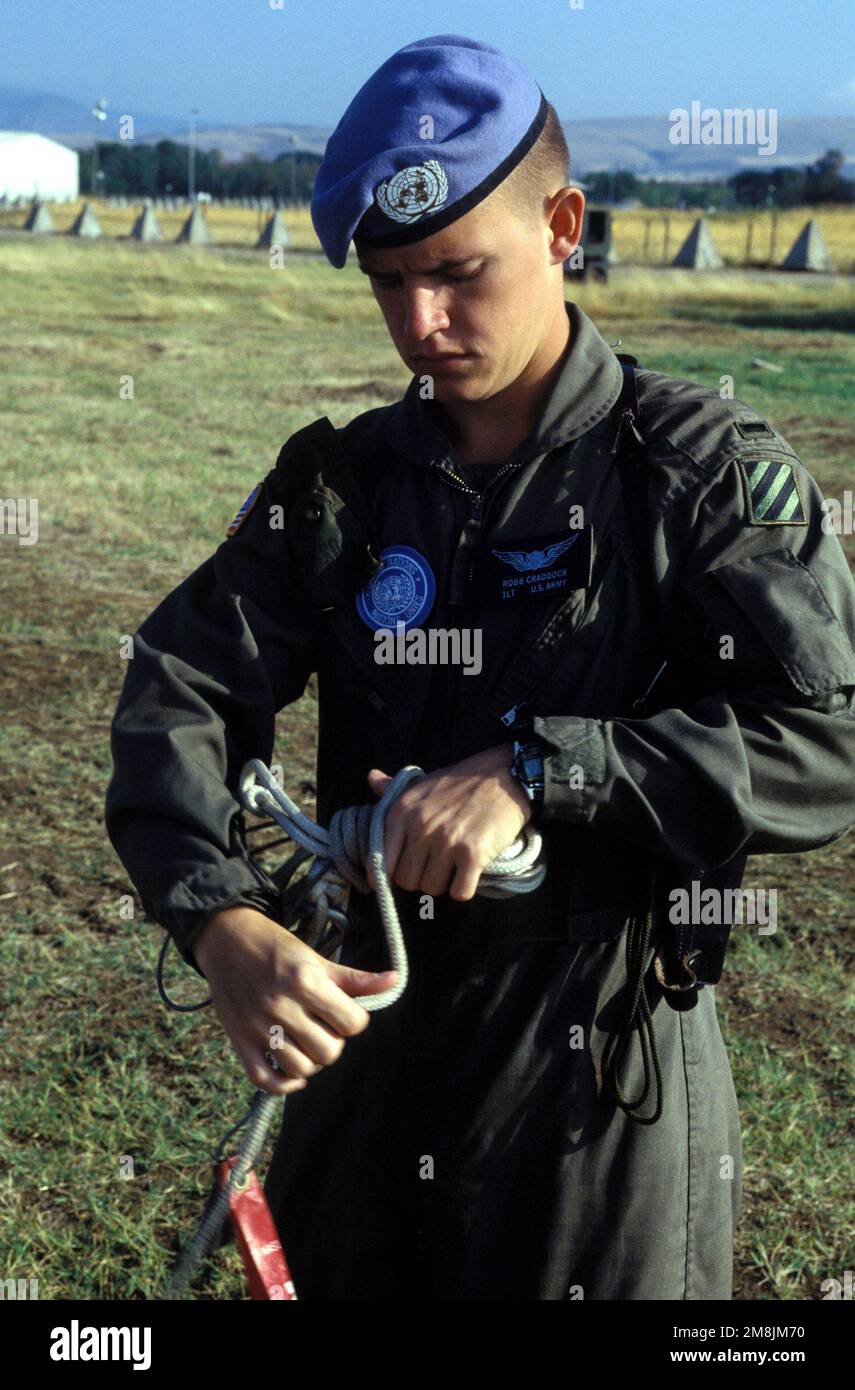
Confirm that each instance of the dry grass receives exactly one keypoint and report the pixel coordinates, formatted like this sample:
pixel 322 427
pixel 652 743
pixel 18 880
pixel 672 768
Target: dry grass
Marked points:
pixel 641 237
pixel 651 236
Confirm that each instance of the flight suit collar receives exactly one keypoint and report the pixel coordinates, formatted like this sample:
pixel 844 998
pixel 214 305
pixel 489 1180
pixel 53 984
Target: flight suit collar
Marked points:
pixel 584 392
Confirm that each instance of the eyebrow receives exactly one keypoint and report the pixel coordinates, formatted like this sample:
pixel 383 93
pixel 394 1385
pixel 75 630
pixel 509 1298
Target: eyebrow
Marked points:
pixel 439 269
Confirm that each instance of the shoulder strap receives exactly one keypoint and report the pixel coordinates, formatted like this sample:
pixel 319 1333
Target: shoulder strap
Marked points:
pixel 329 520
pixel 683 955
pixel 629 445
pixel 313 458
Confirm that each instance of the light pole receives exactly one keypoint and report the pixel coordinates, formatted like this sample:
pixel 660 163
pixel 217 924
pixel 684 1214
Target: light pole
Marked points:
pixel 773 231
pixel 292 166
pixel 191 180
pixel 99 111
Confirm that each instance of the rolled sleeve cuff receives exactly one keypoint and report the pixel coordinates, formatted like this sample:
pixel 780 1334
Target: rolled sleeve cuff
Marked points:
pixel 575 768
pixel 193 902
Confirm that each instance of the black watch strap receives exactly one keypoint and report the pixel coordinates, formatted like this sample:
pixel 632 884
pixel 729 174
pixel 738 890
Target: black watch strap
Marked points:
pixel 527 769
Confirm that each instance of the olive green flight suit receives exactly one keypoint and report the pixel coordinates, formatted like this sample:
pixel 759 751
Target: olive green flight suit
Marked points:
pixel 472 1119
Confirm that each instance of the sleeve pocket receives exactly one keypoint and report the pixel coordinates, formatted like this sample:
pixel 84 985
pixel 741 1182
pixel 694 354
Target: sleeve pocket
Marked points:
pixel 775 609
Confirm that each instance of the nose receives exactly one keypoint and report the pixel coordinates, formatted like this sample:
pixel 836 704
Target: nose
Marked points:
pixel 424 313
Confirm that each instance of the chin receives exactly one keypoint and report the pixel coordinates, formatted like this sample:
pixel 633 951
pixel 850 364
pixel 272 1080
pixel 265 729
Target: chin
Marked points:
pixel 447 391
pixel 470 385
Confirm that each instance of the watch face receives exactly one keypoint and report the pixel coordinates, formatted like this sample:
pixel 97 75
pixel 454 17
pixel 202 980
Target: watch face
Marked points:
pixel 528 768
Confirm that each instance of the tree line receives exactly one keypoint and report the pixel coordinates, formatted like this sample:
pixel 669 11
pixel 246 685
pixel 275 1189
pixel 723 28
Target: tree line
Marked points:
pixel 162 169
pixel 783 187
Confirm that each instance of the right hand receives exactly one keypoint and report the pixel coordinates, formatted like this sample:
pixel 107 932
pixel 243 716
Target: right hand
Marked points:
pixel 261 976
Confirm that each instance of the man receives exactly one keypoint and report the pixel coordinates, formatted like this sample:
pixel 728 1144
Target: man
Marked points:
pixel 666 628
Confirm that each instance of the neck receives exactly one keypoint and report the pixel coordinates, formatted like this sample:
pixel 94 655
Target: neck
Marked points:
pixel 489 431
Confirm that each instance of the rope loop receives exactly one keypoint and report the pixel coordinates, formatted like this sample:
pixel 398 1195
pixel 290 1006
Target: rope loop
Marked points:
pixel 356 837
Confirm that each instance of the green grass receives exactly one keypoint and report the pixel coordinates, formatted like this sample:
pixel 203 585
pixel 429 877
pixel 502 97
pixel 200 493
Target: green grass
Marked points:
pixel 228 358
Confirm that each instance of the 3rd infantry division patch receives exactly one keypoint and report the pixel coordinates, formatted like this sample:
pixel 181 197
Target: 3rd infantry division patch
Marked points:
pixel 773 493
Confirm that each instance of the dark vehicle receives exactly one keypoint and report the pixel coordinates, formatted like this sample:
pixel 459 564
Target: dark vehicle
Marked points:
pixel 596 247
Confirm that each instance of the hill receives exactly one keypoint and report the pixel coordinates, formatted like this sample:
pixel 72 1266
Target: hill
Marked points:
pixel 638 143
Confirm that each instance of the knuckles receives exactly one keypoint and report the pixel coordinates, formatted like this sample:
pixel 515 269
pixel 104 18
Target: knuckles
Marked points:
pixel 470 856
pixel 330 1049
pixel 300 978
pixel 358 1024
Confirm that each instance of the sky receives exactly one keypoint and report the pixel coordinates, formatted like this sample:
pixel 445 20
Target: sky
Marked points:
pixel 244 62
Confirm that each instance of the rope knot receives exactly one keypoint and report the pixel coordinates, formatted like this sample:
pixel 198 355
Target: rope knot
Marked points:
pixel 356 837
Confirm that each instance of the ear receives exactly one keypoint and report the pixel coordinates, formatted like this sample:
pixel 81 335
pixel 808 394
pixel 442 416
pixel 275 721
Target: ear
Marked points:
pixel 566 210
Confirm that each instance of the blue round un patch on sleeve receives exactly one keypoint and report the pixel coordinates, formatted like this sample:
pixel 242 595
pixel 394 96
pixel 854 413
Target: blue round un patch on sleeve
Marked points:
pixel 402 591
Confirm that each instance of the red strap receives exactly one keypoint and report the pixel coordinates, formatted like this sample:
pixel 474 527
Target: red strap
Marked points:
pixel 256 1238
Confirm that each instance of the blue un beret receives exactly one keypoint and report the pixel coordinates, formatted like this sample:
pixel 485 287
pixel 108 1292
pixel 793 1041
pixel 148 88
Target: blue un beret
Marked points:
pixel 429 136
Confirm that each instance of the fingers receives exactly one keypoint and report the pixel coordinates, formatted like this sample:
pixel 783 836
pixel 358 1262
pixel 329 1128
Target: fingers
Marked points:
pixel 411 867
pixel 294 1058
pixel 287 1010
pixel 311 1042
pixel 464 886
pixel 409 853
pixel 467 873
pixel 309 982
pixel 356 982
pixel 394 841
pixel 265 1077
pixel 437 876
pixel 258 1063
pixel 424 849
pixel 310 1026
pixel 289 1056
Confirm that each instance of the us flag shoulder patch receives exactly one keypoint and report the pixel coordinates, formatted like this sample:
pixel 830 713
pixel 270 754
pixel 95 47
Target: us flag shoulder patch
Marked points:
pixel 773 493
pixel 242 514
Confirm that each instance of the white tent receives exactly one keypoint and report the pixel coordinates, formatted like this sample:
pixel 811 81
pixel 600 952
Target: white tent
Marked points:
pixel 32 166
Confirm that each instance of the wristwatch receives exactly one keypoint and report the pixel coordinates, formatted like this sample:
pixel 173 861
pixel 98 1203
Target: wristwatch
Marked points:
pixel 527 769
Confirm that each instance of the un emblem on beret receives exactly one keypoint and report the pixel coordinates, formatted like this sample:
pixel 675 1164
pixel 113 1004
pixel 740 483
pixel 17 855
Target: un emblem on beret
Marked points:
pixel 413 192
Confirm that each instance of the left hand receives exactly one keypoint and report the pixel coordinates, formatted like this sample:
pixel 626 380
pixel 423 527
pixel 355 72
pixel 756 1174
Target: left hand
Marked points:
pixel 443 831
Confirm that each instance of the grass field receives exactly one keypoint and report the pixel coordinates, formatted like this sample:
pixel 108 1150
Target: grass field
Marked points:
pixel 228 358
pixel 644 236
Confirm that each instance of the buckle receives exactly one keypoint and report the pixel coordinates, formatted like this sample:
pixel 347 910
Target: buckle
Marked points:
pixel 681 992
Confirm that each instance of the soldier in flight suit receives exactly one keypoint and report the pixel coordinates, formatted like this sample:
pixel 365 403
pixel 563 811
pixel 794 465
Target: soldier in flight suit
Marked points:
pixel 667 628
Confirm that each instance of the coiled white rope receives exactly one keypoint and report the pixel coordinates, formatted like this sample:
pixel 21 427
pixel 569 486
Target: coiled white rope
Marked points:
pixel 356 836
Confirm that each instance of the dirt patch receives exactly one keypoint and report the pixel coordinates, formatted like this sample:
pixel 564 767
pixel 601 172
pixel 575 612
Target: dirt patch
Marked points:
pixel 787 1022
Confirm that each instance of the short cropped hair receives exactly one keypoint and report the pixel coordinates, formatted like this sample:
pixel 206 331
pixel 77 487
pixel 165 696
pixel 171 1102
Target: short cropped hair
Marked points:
pixel 544 170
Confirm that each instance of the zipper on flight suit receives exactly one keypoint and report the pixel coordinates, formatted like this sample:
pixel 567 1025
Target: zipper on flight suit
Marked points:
pixel 510 716
pixel 373 696
pixel 379 704
pixel 463 564
pixel 459 589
